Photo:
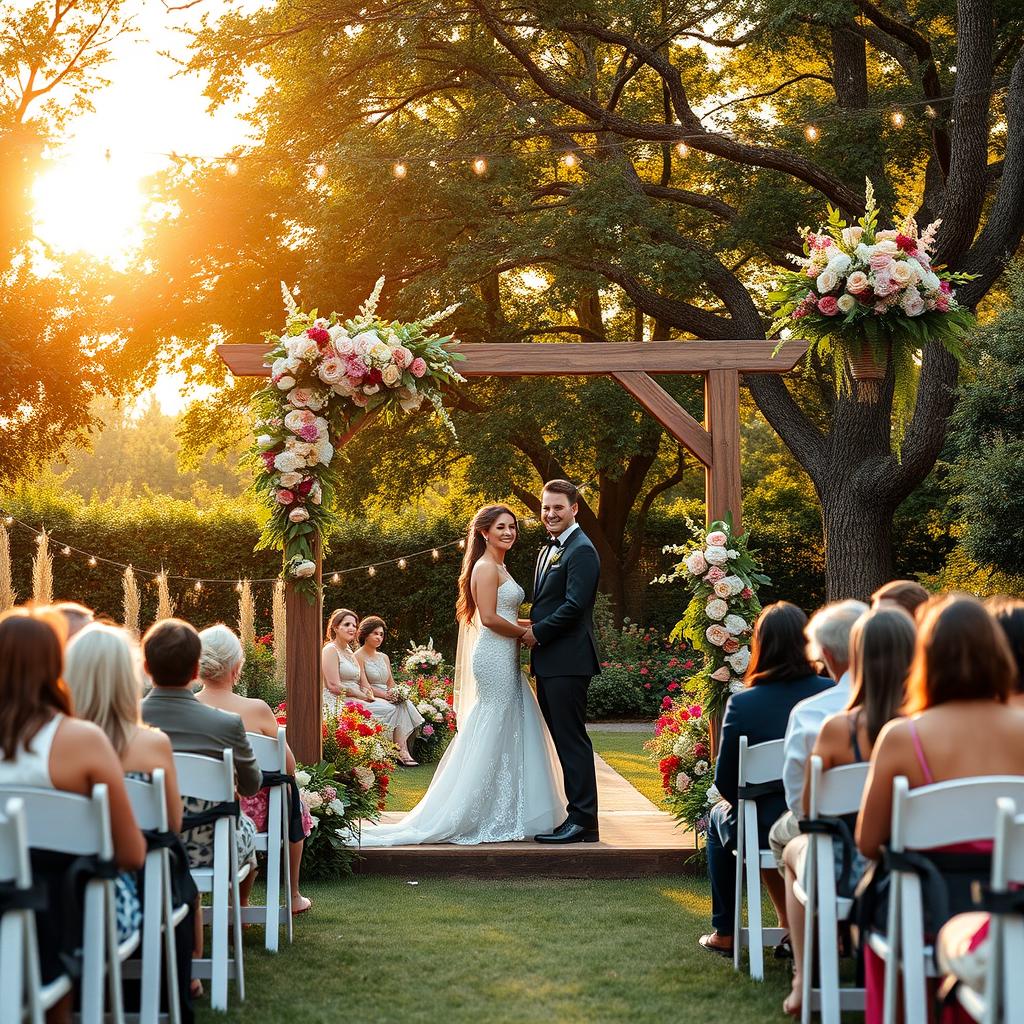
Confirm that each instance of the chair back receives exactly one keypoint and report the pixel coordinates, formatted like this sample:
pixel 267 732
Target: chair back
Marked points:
pixel 956 811
pixel 206 778
pixel 149 802
pixel 837 791
pixel 270 751
pixel 760 762
pixel 14 863
pixel 1008 854
pixel 66 822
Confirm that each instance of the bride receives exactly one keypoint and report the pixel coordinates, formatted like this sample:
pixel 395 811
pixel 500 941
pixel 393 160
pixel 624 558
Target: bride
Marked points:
pixel 499 779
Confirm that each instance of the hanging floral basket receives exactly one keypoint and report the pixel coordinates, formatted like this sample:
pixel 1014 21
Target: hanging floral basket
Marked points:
pixel 867 369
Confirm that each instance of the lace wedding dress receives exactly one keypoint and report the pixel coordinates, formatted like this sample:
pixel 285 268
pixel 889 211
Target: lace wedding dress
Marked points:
pixel 499 779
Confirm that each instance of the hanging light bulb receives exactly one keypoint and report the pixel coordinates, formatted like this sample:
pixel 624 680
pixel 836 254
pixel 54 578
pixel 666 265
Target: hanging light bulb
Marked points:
pixel 198 585
pixel 812 133
pixel 897 119
pixel 65 550
pixel 435 554
pixel 479 165
pixel 336 578
pixel 682 149
pixel 930 111
pixel 462 544
pixel 92 560
pixel 320 170
pixel 399 170
pixel 570 160
pixel 403 564
pixel 372 571
pixel 8 520
pixel 238 586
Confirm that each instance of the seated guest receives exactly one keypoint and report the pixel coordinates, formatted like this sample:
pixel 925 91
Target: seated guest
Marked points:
pixel 957 692
pixel 377 668
pixel 345 680
pixel 102 671
pixel 171 649
pixel 43 745
pixel 881 649
pixel 778 676
pixel 76 615
pixel 220 665
pixel 908 594
pixel 1009 613
pixel 828 643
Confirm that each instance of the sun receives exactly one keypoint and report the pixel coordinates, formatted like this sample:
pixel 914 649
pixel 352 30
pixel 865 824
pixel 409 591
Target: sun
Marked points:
pixel 90 204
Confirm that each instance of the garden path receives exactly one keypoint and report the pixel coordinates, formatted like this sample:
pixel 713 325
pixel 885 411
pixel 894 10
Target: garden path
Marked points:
pixel 637 839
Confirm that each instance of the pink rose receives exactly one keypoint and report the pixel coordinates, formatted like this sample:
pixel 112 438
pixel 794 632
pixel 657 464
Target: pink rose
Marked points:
pixel 880 260
pixel 418 367
pixel 355 368
pixel 285 497
pixel 828 306
pixel 731 646
pixel 746 593
pixel 714 574
pixel 718 539
pixel 428 730
pixel 721 675
pixel 716 634
pixel 298 514
pixel 942 304
pixel 884 284
pixel 857 282
pixel 401 357
pixel 945 287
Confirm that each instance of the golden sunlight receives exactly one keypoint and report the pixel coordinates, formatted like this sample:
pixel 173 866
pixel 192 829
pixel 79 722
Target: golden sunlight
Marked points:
pixel 90 203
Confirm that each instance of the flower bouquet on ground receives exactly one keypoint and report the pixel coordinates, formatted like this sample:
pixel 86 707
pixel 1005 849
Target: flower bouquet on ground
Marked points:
pixel 433 697
pixel 325 855
pixel 863 295
pixel 422 658
pixel 681 748
pixel 327 375
pixel 720 572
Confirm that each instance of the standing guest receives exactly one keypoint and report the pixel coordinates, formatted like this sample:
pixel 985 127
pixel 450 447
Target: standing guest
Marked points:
pixel 959 684
pixel 908 594
pixel 778 677
pixel 102 672
pixel 43 745
pixel 376 667
pixel 828 644
pixel 881 649
pixel 220 666
pixel 1009 613
pixel 345 681
pixel 76 615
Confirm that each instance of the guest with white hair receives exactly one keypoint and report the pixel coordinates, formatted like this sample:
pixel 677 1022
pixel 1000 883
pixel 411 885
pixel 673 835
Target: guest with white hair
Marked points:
pixel 220 667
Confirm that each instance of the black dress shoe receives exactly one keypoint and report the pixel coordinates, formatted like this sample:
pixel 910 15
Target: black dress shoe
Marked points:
pixel 570 832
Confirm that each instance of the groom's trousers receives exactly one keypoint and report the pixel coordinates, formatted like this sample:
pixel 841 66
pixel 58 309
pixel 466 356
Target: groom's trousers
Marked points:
pixel 563 702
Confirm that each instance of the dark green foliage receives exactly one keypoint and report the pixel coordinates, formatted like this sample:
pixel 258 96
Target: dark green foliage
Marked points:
pixel 258 675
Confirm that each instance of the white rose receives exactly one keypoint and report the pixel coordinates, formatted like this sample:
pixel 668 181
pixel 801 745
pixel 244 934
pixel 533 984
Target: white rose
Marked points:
pixel 337 807
pixel 288 462
pixel 303 347
pixel 713 795
pixel 289 479
pixel 901 272
pixel 323 452
pixel 716 609
pixel 331 370
pixel 715 555
pixel 732 554
pixel 297 419
pixel 700 768
pixel 286 383
pixel 303 570
pixel 929 280
pixel 391 375
pixel 736 624
pixel 740 660
pixel 839 264
pixel 380 354
pixel 343 387
pixel 266 441
pixel 828 280
pixel 302 778
pixel 846 303
pixel 912 303
pixel 852 236
pixel 298 515
pixel 362 343
pixel 696 564
pixel 886 245
pixel 315 801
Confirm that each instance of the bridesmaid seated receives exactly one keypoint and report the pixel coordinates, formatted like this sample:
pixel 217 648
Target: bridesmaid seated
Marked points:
pixel 345 681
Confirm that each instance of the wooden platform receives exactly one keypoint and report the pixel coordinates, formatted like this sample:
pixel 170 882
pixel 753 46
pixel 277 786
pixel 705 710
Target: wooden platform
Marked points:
pixel 637 839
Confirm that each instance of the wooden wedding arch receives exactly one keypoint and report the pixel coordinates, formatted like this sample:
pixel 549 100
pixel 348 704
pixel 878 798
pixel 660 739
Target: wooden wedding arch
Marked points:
pixel 716 443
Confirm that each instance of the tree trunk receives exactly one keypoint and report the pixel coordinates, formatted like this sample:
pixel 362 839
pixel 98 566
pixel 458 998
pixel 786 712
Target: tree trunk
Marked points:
pixel 858 543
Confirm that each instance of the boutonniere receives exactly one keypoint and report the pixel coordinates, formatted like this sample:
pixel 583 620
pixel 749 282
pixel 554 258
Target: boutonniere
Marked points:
pixel 555 559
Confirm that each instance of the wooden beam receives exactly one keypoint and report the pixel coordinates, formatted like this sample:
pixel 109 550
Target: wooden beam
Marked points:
pixel 302 672
pixel 583 358
pixel 722 489
pixel 668 412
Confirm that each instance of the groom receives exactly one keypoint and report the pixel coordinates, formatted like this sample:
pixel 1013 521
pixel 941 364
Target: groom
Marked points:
pixel 563 653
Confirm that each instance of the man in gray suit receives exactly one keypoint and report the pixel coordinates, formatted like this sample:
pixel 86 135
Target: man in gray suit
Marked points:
pixel 171 649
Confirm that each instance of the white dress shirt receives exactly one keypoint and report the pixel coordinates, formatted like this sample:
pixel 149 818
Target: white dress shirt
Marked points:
pixel 548 553
pixel 805 722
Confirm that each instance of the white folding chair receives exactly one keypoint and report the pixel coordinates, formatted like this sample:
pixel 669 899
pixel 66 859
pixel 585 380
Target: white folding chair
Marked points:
pixel 205 778
pixel 832 794
pixel 271 756
pixel 760 772
pixel 21 989
pixel 1001 997
pixel 957 811
pixel 80 826
pixel 149 804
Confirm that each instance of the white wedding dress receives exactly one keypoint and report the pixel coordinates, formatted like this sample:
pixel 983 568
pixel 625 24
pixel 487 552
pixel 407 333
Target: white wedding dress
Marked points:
pixel 499 779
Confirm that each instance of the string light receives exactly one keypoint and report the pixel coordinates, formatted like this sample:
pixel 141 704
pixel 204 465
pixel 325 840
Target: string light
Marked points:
pixel 930 111
pixel 570 160
pixel 92 561
pixel 435 554
pixel 238 586
pixel 399 170
pixel 897 119
pixel 336 577
pixel 8 520
pixel 198 585
pixel 479 165
pixel 462 544
pixel 65 550
pixel 682 149
pixel 403 564
pixel 320 170
pixel 812 133
pixel 372 571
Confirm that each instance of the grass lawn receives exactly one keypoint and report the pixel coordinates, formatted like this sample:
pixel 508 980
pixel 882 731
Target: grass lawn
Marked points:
pixel 533 951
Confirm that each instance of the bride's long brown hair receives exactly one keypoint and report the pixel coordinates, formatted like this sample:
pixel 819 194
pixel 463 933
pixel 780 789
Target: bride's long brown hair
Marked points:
pixel 484 519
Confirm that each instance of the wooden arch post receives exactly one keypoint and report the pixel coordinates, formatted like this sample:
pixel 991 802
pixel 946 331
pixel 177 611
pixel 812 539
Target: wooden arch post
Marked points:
pixel 715 442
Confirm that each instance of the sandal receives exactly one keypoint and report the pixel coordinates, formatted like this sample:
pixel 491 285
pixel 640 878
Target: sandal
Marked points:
pixel 705 942
pixel 408 764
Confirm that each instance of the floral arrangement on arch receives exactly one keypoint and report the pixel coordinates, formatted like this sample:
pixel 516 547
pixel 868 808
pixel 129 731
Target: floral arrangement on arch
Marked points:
pixel 433 697
pixel 681 749
pixel 721 574
pixel 422 657
pixel 327 376
pixel 863 295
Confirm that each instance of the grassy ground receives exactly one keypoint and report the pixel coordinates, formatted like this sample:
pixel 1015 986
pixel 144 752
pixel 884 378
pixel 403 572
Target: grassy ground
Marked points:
pixel 622 750
pixel 461 951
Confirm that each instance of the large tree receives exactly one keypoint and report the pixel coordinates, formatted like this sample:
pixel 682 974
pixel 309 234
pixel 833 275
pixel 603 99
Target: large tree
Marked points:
pixel 645 169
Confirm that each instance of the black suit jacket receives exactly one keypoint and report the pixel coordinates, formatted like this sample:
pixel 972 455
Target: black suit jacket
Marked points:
pixel 563 612
pixel 761 713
